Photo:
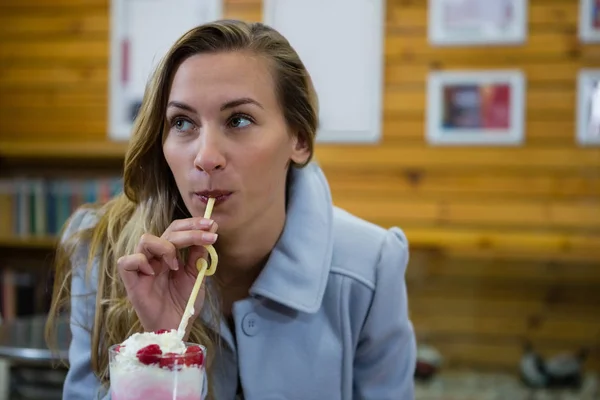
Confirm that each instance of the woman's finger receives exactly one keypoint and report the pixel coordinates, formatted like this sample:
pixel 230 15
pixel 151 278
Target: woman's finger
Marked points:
pixel 190 224
pixel 183 239
pixel 131 266
pixel 159 248
pixel 214 227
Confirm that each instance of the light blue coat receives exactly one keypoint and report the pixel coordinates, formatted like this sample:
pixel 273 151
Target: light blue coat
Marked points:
pixel 327 319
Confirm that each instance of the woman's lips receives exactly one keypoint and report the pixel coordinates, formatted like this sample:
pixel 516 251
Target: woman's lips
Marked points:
pixel 219 196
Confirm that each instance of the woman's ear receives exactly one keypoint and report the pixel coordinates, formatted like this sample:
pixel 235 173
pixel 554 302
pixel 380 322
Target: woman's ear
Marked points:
pixel 300 149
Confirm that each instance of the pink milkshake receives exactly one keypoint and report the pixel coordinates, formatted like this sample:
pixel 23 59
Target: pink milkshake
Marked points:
pixel 156 366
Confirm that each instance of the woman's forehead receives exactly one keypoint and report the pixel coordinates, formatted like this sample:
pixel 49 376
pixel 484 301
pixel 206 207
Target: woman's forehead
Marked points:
pixel 205 79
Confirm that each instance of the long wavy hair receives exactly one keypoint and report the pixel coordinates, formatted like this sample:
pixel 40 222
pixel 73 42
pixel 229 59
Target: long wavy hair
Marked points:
pixel 150 200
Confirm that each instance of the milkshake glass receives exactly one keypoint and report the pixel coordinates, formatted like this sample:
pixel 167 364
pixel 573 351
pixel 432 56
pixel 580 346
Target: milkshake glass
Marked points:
pixel 150 375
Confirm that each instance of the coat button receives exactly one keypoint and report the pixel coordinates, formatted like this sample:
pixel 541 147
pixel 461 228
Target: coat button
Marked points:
pixel 250 324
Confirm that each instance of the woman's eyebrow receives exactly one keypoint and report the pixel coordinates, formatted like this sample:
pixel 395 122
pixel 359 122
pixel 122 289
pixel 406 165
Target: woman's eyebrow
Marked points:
pixel 239 102
pixel 183 106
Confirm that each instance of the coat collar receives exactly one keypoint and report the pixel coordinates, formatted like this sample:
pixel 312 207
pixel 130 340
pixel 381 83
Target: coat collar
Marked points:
pixel 297 270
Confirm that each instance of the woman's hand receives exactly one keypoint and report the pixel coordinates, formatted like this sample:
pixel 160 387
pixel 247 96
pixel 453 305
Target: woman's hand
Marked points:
pixel 158 284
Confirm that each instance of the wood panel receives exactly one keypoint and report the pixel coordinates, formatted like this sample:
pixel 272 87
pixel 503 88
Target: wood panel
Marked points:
pixel 543 44
pixel 441 268
pixel 548 14
pixel 464 184
pixel 540 102
pixel 421 156
pixel 465 305
pixel 578 216
pixel 27 26
pixel 542 132
pixel 36 77
pixel 67 49
pixel 63 6
pixel 513 233
pixel 539 73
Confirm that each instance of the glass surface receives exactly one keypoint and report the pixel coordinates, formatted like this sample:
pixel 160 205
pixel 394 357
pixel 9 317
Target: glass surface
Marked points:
pixel 167 377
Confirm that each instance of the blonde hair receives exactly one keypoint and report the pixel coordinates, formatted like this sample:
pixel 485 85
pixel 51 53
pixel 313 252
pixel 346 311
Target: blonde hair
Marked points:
pixel 151 201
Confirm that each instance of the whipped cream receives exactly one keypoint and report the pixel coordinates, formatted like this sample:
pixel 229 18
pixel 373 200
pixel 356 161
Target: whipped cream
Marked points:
pixel 169 342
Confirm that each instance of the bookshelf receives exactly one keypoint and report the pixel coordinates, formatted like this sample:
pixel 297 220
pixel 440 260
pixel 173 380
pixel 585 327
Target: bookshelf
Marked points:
pixel 42 183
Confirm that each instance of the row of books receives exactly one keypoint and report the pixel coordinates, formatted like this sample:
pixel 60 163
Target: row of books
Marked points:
pixel 40 207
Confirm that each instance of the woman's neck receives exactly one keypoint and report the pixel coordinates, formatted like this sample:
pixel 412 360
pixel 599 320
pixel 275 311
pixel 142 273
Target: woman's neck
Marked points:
pixel 243 255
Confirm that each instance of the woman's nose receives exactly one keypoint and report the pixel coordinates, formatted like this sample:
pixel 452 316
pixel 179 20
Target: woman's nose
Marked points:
pixel 210 156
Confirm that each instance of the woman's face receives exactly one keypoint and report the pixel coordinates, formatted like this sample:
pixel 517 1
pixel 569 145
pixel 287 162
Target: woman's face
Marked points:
pixel 227 138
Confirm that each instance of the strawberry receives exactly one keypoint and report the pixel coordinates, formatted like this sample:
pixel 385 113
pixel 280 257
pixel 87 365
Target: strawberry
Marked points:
pixel 170 360
pixel 150 354
pixel 194 356
pixel 118 348
pixel 161 331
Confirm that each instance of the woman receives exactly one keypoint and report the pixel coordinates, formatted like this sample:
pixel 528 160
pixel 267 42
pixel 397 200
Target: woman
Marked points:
pixel 308 301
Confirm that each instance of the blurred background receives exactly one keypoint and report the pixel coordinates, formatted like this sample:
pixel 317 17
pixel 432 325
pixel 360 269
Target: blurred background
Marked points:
pixel 504 274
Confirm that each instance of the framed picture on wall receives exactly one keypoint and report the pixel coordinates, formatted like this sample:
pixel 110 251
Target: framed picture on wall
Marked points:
pixel 477 22
pixel 589 21
pixel 588 107
pixel 475 107
pixel 141 32
pixel 346 61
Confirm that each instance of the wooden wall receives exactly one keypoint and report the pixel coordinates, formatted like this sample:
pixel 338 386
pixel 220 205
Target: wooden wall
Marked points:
pixel 515 232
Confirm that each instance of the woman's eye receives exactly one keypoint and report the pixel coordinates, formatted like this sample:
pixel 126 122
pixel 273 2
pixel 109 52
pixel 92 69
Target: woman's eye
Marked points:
pixel 239 122
pixel 182 125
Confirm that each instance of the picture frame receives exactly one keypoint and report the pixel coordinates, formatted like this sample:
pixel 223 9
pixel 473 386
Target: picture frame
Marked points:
pixel 588 108
pixel 589 21
pixel 476 108
pixel 354 50
pixel 477 22
pixel 137 45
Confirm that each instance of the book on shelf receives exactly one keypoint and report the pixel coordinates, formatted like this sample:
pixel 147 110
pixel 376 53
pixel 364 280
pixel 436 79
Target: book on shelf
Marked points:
pixel 22 293
pixel 39 207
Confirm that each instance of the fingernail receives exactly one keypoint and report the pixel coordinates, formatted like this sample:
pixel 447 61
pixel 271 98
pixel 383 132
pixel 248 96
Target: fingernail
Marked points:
pixel 206 223
pixel 175 264
pixel 209 237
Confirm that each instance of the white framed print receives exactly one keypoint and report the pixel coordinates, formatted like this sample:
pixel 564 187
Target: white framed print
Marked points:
pixel 341 42
pixel 477 22
pixel 475 108
pixel 589 21
pixel 588 107
pixel 141 31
